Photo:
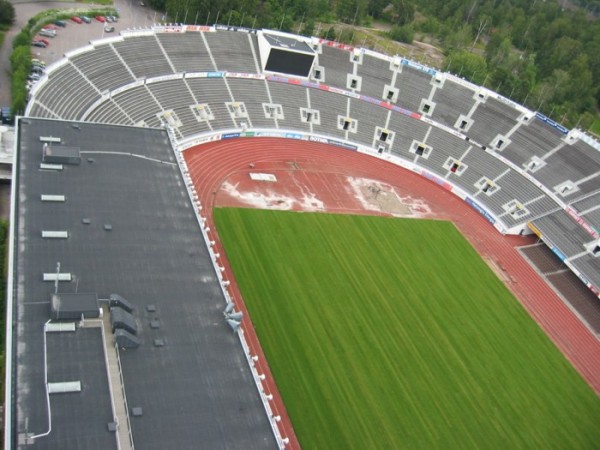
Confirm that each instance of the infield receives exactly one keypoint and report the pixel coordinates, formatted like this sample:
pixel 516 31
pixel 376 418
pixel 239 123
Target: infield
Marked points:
pixel 393 333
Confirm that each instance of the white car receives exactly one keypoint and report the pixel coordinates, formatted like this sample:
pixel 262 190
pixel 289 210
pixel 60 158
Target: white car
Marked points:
pixel 47 33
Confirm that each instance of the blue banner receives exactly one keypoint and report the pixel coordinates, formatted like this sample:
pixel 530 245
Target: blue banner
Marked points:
pixel 480 210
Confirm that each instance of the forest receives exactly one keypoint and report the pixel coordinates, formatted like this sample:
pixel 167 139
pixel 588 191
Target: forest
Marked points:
pixel 543 54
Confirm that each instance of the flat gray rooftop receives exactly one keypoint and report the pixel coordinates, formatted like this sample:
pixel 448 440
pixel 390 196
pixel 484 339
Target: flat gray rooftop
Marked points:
pixel 141 240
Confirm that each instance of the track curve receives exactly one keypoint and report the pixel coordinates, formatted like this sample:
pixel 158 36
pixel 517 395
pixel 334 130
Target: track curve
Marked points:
pixel 211 165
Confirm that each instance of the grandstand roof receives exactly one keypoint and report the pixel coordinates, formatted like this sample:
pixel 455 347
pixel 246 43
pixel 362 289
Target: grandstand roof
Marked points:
pixel 132 231
pixel 287 43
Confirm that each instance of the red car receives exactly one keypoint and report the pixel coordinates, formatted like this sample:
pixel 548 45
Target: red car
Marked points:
pixel 45 41
pixel 101 19
pixel 50 26
pixel 76 19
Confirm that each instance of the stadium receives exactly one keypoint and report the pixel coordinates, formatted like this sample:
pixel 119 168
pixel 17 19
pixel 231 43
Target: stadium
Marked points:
pixel 128 327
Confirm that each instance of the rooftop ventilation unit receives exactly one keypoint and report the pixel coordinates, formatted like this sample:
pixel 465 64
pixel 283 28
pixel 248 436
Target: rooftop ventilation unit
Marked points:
pixel 117 300
pixel 122 320
pixel 126 340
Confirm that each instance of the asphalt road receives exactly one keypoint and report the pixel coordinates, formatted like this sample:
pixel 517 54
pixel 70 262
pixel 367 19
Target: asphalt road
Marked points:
pixel 73 36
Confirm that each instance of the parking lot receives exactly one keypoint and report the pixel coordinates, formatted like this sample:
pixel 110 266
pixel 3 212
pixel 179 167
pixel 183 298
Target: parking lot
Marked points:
pixel 75 35
pixel 131 15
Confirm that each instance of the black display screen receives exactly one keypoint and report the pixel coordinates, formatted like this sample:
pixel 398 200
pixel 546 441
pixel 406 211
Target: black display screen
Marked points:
pixel 291 63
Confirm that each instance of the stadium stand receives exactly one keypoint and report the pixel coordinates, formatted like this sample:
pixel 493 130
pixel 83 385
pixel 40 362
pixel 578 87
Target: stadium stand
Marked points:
pixel 451 101
pixel 337 65
pixel 233 52
pixel 108 75
pixel 143 57
pixel 534 139
pixel 193 99
pixel 187 52
pixel 375 74
pixel 414 85
pixel 490 119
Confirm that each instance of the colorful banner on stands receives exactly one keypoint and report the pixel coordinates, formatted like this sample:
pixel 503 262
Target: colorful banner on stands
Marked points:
pixel 552 123
pixel 436 180
pixel 480 210
pixel 587 227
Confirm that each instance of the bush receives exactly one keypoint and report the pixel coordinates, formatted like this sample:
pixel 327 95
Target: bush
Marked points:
pixel 404 34
pixel 7 13
pixel 22 39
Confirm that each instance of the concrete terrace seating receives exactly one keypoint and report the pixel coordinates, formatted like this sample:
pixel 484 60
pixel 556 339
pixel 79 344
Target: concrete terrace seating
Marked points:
pixel 171 93
pixel 292 98
pixel 103 68
pixel 109 112
pixel 143 56
pixel 578 163
pixel 414 86
pixel 533 139
pixel 589 266
pixel 138 104
pixel 490 119
pixel 213 91
pixel 81 94
pixel 375 74
pixel 186 51
pixel 337 65
pixel 253 93
pixel 232 51
pixel 406 130
pixel 369 117
pixel 589 205
pixel 330 107
pixel 451 101
pixel 563 232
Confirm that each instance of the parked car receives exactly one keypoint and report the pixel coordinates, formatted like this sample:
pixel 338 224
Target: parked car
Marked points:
pixel 6 114
pixel 34 76
pixel 101 19
pixel 47 33
pixel 39 62
pixel 37 69
pixel 45 41
pixel 109 29
pixel 115 18
pixel 86 19
pixel 60 23
pixel 39 44
pixel 109 19
pixel 76 19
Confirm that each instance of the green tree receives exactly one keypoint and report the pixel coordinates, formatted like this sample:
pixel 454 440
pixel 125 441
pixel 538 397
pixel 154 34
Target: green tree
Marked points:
pixel 404 34
pixel 351 11
pixel 7 13
pixel 467 65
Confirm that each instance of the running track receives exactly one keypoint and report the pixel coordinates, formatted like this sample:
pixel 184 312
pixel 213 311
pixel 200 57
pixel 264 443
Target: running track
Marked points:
pixel 320 167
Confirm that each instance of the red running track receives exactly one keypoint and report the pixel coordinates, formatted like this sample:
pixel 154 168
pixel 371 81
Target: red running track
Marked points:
pixel 302 166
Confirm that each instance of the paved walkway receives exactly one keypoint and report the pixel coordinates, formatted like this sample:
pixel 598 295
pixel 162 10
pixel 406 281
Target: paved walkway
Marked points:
pixel 114 380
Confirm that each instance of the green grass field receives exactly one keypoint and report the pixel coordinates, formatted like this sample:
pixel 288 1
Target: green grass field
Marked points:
pixel 390 333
